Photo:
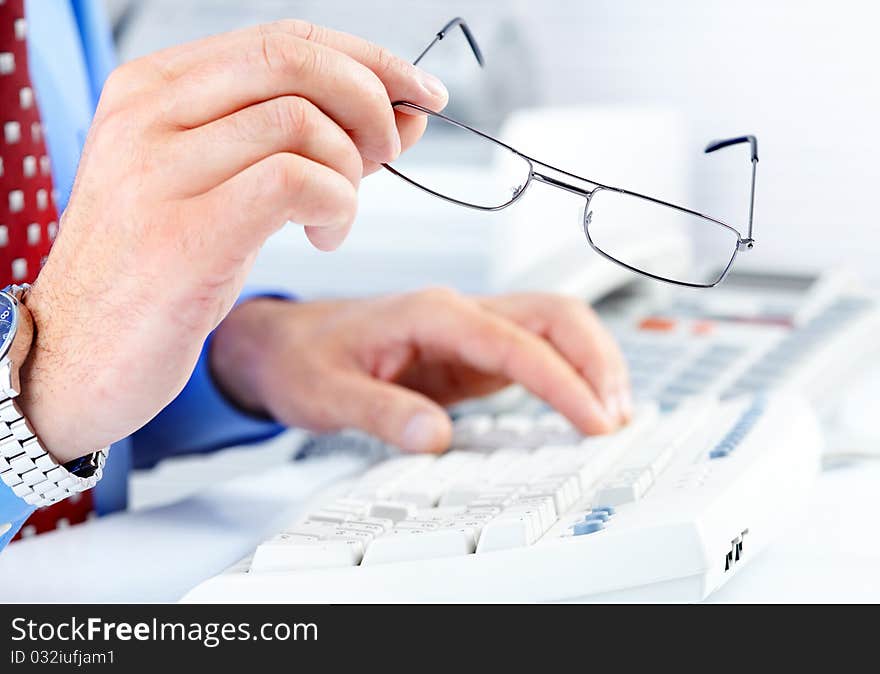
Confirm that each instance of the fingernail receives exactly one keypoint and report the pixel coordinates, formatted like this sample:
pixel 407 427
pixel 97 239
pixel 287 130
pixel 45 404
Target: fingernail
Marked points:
pixel 432 85
pixel 420 433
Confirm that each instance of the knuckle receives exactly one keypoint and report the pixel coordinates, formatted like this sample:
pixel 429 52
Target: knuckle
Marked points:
pixel 375 93
pixel 120 82
pixel 112 124
pixel 509 348
pixel 303 29
pixel 291 114
pixel 386 62
pixel 284 175
pixel 439 296
pixel 282 54
pixel 332 203
pixel 119 78
pixel 573 304
pixel 371 91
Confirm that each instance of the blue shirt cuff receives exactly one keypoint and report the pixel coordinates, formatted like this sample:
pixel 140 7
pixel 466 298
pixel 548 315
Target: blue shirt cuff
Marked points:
pixel 13 511
pixel 201 419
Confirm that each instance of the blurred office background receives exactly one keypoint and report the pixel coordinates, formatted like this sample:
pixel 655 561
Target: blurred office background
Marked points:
pixel 800 74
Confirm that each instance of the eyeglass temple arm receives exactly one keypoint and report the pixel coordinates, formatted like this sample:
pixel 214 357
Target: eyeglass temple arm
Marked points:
pixel 457 21
pixel 753 142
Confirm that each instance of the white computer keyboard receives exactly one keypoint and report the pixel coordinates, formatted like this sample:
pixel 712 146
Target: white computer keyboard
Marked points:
pixel 522 508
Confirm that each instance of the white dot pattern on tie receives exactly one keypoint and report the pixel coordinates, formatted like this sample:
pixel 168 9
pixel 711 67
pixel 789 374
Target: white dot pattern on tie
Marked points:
pixel 33 234
pixel 28 218
pixel 12 132
pixel 19 268
pixel 7 63
pixel 16 201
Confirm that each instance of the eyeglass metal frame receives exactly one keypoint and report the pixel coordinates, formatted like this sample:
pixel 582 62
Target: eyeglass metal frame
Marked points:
pixel 562 178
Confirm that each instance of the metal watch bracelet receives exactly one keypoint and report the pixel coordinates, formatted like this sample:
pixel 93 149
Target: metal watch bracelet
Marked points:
pixel 28 469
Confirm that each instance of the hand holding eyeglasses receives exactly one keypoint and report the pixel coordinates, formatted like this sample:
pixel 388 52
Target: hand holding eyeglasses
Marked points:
pixel 196 155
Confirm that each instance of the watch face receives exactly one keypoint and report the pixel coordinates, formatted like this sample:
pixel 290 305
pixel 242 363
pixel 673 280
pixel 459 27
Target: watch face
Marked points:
pixel 8 315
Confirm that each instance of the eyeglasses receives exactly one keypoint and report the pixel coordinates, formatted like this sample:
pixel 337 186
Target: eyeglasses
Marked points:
pixel 613 218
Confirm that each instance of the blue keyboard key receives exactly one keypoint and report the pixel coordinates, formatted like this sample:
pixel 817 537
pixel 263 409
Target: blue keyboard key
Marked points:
pixel 591 527
pixel 600 516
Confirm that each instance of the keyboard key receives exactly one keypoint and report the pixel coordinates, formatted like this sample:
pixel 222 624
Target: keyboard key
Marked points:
pixel 290 552
pixel 403 545
pixel 598 515
pixel 545 506
pixel 588 527
pixel 510 531
pixel 373 525
pixel 472 523
pixel 416 525
pixel 556 429
pixel 344 533
pixel 354 506
pixel 470 429
pixel 327 515
pixel 462 493
pixel 424 493
pixel 312 527
pixel 393 510
pixel 512 429
pixel 625 487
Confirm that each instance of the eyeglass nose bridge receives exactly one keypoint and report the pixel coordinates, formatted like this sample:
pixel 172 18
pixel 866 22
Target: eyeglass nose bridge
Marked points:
pixel 562 185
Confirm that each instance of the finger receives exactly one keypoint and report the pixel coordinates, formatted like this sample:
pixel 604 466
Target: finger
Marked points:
pixel 409 128
pixel 247 208
pixel 327 238
pixel 259 67
pixel 461 328
pixel 207 155
pixel 577 333
pixel 403 81
pixel 392 413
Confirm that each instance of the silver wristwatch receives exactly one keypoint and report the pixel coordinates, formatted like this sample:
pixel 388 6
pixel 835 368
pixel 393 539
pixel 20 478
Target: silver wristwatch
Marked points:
pixel 25 465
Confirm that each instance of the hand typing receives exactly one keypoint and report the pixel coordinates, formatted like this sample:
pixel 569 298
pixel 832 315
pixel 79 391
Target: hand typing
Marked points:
pixel 387 365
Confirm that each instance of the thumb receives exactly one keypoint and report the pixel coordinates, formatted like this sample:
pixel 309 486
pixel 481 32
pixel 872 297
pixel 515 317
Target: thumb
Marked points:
pixel 394 414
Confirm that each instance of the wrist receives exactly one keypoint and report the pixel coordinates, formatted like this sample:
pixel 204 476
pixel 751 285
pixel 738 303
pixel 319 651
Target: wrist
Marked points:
pixel 43 399
pixel 237 354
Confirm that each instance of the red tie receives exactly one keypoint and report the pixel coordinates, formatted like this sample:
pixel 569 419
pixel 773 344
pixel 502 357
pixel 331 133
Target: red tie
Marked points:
pixel 28 216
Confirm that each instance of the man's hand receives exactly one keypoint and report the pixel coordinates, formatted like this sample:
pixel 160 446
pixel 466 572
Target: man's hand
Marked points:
pixel 386 365
pixel 196 155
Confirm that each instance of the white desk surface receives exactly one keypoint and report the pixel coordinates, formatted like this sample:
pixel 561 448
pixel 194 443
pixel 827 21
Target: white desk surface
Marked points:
pixel 158 553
